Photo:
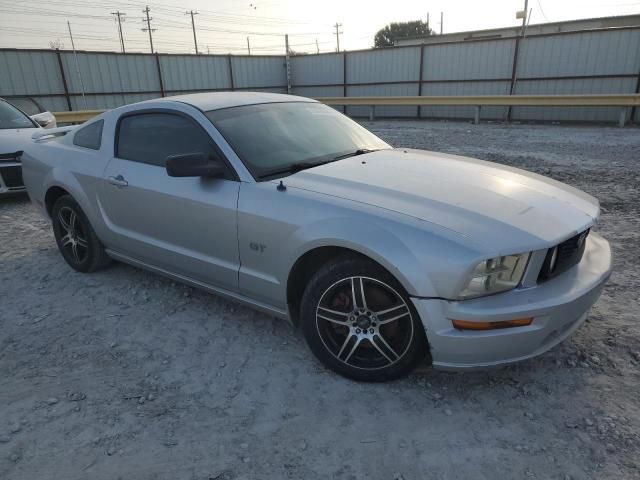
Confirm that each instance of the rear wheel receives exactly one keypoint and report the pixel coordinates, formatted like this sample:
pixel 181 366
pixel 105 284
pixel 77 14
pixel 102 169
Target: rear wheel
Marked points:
pixel 75 237
pixel 359 321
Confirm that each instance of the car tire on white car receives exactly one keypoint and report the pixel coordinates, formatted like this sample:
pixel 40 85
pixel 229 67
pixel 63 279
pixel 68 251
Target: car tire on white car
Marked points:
pixel 359 321
pixel 76 239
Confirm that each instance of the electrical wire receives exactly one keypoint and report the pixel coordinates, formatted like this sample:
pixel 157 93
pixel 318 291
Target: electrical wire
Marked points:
pixel 92 28
pixel 542 11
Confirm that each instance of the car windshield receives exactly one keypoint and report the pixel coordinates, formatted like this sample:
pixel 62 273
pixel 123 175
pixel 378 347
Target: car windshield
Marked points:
pixel 275 139
pixel 11 117
pixel 27 105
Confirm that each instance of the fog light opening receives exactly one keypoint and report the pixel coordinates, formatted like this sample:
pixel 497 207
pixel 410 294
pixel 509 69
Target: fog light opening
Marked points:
pixel 467 325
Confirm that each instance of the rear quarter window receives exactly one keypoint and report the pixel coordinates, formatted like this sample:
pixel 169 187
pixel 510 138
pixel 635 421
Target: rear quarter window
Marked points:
pixel 89 136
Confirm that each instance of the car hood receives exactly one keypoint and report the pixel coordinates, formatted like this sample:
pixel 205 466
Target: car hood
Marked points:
pixel 495 205
pixel 13 140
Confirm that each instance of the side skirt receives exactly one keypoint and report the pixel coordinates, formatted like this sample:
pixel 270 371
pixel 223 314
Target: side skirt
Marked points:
pixel 263 307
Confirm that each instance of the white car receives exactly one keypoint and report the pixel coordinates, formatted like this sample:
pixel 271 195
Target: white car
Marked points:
pixel 382 255
pixel 16 130
pixel 36 112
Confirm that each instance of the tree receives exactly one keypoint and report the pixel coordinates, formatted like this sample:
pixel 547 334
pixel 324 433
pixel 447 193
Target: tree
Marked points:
pixel 386 36
pixel 56 44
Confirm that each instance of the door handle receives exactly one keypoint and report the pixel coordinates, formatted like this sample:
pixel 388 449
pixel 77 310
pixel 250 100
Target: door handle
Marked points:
pixel 118 181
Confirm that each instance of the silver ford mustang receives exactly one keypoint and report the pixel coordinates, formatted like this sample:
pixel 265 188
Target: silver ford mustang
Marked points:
pixel 383 256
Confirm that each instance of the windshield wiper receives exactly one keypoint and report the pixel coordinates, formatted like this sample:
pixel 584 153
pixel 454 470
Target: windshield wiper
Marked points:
pixel 298 166
pixel 360 151
pixel 291 168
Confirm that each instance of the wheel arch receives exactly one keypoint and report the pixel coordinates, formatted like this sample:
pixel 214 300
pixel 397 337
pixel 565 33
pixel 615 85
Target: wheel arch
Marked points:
pixel 308 262
pixel 61 182
pixel 53 193
pixel 304 268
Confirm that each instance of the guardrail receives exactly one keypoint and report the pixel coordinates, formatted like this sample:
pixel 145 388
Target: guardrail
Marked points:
pixel 77 116
pixel 624 101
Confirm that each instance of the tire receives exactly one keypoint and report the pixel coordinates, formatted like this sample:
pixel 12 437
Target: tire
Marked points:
pixel 374 339
pixel 76 239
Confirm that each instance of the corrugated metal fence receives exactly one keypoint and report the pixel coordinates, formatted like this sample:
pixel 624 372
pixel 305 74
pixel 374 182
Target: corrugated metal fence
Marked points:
pixel 585 62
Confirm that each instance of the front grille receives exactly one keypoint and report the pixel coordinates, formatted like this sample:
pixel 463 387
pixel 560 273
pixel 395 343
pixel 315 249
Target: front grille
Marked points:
pixel 12 176
pixel 562 257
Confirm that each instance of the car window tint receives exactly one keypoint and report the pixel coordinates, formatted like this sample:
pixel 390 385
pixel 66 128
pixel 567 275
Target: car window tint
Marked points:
pixel 27 105
pixel 275 135
pixel 152 137
pixel 89 136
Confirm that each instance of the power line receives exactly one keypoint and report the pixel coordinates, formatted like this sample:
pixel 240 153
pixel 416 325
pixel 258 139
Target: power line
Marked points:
pixel 96 24
pixel 173 9
pixel 169 22
pixel 140 40
pixel 172 26
pixel 53 13
pixel 542 11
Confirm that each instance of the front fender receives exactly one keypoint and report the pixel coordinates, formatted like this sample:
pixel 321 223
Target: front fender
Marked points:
pixel 283 226
pixel 365 237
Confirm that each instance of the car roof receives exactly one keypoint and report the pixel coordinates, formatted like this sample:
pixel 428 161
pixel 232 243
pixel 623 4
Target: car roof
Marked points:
pixel 217 100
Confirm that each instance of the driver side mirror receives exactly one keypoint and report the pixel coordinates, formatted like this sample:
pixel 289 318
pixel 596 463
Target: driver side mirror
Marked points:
pixel 45 119
pixel 194 165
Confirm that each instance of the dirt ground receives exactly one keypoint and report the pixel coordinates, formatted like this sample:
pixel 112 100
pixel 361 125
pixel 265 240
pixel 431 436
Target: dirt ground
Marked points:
pixel 123 374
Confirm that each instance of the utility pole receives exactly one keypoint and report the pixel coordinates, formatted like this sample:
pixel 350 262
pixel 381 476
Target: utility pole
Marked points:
pixel 73 46
pixel 193 26
pixel 317 47
pixel 148 29
pixel 441 21
pixel 208 50
pixel 120 18
pixel 523 14
pixel 428 29
pixel 338 32
pixel 248 46
pixel 287 62
pixel 524 17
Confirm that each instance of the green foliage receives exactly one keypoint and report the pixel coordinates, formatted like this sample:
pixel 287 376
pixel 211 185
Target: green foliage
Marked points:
pixel 386 36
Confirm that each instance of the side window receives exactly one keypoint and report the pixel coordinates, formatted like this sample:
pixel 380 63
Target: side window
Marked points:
pixel 89 136
pixel 152 137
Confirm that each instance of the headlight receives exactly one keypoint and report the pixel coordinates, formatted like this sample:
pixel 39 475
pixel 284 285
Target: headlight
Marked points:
pixel 495 275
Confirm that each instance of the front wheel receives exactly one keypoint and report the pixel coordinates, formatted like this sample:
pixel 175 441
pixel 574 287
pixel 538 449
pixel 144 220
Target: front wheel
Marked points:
pixel 359 321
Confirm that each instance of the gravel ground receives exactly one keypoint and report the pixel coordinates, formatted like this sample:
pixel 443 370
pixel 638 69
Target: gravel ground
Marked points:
pixel 123 374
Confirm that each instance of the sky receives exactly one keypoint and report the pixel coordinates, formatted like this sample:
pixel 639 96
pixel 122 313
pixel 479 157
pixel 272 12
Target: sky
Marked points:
pixel 222 26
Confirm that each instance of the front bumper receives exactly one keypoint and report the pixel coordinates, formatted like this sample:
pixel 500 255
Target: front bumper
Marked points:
pixel 11 177
pixel 558 308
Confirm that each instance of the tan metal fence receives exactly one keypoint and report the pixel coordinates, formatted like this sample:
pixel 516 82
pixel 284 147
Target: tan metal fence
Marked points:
pixel 624 101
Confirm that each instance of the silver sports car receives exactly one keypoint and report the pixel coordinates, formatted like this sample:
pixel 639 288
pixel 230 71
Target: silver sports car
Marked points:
pixel 384 256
